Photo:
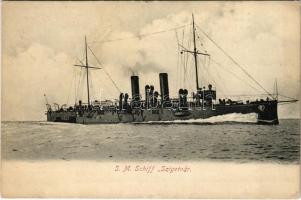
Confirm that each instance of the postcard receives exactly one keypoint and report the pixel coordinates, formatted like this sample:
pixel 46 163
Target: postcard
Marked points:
pixel 183 99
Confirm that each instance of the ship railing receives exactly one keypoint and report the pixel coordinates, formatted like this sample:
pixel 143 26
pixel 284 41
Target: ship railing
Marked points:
pixel 175 104
pixel 246 98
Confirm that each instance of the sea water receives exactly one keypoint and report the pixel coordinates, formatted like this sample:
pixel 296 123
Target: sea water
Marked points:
pixel 232 139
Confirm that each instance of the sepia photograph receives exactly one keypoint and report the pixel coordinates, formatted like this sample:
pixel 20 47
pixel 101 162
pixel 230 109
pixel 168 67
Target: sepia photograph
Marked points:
pixel 150 99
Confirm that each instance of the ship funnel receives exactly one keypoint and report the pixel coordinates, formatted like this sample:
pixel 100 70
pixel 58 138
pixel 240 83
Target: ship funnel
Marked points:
pixel 135 88
pixel 147 88
pixel 164 87
pixel 121 96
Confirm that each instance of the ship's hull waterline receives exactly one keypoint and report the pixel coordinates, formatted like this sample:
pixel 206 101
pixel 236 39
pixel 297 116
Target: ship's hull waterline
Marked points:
pixel 266 114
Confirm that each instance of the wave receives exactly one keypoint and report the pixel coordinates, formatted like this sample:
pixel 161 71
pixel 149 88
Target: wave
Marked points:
pixel 227 118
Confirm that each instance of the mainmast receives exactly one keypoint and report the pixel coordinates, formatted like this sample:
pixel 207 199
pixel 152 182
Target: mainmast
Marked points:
pixel 195 56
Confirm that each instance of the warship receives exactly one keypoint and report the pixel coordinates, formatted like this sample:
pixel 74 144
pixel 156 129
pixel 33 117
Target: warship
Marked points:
pixel 157 106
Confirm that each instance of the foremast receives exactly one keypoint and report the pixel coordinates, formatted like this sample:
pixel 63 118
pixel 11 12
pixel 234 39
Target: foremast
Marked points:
pixel 195 56
pixel 86 65
pixel 87 71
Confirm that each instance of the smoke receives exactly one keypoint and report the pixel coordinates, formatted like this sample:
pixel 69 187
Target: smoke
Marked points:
pixel 143 68
pixel 142 65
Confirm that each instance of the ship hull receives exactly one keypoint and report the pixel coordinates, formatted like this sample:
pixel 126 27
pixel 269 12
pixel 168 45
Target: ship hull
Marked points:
pixel 266 114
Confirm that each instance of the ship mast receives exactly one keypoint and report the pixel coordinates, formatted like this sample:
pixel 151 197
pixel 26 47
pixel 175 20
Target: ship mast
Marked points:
pixel 195 55
pixel 195 52
pixel 276 87
pixel 87 70
pixel 86 65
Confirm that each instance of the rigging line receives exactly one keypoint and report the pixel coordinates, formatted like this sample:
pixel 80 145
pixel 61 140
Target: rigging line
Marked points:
pixel 218 75
pixel 247 95
pixel 178 55
pixel 105 70
pixel 183 60
pixel 232 59
pixel 185 69
pixel 75 86
pixel 200 40
pixel 83 57
pixel 287 97
pixel 284 103
pixel 100 80
pixel 73 81
pixel 81 62
pixel 140 36
pixel 204 78
pixel 189 73
pixel 79 83
pixel 207 71
pixel 235 75
pixel 190 42
pixel 98 94
pixel 104 35
pixel 79 80
pixel 185 63
pixel 204 70
pixel 92 94
pixel 218 85
pixel 81 88
pixel 204 74
pixel 207 65
pixel 201 43
pixel 192 74
pixel 187 57
pixel 274 89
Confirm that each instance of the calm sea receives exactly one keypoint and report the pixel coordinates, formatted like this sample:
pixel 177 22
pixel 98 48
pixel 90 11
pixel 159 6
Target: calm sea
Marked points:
pixel 203 141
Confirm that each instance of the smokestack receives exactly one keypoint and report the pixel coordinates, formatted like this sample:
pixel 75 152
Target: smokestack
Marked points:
pixel 151 95
pixel 120 101
pixel 164 87
pixel 147 88
pixel 185 93
pixel 135 88
pixel 126 96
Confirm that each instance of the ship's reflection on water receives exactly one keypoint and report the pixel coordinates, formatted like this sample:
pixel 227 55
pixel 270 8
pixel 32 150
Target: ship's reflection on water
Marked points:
pixel 220 141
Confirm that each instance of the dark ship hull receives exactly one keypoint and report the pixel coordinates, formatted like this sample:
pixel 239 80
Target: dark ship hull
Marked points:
pixel 266 114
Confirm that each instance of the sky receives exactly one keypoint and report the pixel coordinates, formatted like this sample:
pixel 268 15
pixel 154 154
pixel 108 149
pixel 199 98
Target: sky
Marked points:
pixel 41 41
